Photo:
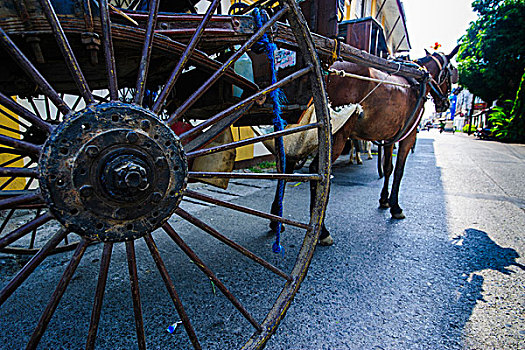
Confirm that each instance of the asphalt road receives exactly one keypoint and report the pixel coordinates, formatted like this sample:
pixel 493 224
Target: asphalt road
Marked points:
pixel 449 276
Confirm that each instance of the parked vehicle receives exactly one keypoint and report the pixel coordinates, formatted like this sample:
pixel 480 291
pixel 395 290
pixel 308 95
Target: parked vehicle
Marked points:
pixel 484 134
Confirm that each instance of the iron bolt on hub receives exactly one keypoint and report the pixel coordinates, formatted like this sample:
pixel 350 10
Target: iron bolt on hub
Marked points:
pixel 121 175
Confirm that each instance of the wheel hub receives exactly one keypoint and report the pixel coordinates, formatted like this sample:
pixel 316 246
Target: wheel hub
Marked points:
pixel 113 172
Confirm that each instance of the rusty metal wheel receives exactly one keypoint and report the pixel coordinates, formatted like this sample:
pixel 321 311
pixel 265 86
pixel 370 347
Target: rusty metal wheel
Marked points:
pixel 110 170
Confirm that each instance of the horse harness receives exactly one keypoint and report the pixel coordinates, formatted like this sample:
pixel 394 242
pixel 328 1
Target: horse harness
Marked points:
pixel 446 72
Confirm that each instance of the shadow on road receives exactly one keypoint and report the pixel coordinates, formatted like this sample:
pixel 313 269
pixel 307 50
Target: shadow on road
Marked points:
pixel 389 284
pixel 478 252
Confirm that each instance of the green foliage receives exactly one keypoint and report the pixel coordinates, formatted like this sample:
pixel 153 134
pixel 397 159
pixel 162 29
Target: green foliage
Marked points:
pixel 492 53
pixel 260 168
pixel 508 121
pixel 472 128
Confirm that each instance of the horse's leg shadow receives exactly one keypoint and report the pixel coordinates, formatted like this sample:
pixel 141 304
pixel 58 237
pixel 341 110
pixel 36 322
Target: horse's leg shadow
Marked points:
pixel 387 171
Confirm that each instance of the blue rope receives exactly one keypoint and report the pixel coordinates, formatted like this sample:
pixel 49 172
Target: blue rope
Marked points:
pixel 278 98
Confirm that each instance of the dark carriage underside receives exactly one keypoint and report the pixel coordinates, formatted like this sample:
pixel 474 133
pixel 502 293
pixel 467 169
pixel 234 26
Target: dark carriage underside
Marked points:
pixel 31 32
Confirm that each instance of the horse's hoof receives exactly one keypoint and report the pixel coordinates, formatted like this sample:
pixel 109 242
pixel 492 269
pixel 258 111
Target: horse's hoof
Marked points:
pixel 369 157
pixel 398 216
pixel 360 162
pixel 384 205
pixel 327 241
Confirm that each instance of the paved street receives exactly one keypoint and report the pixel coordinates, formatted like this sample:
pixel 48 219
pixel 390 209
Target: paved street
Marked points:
pixel 449 276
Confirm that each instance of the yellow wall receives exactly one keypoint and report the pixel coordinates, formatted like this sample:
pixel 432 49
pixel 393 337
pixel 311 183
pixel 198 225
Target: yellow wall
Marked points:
pixel 242 133
pixel 18 183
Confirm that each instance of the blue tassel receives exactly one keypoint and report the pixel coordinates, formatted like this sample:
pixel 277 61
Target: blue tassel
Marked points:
pixel 278 98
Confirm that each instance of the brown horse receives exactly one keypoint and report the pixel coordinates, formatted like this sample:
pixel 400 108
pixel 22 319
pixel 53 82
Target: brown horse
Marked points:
pixel 390 112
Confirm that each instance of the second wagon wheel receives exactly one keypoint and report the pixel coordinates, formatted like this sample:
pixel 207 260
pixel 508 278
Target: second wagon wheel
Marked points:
pixel 113 172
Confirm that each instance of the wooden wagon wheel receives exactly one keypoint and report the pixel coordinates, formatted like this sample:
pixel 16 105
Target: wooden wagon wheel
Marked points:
pixel 31 243
pixel 114 173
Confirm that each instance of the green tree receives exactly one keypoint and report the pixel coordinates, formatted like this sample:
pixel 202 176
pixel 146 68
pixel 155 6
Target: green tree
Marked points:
pixel 492 54
pixel 508 120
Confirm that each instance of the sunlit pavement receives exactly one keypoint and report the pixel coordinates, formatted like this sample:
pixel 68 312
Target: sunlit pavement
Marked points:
pixel 449 276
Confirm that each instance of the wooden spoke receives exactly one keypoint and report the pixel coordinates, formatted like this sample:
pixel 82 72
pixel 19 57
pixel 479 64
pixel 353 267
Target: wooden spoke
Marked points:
pixel 67 52
pixel 48 108
pixel 6 150
pixel 250 141
pixel 24 63
pixel 14 131
pixel 24 229
pixel 200 264
pixel 17 109
pixel 57 295
pixel 17 172
pixel 260 176
pixel 16 193
pixel 35 108
pixel 208 199
pixel 188 52
pixel 214 233
pixel 31 265
pixel 219 116
pixel 11 179
pixel 171 290
pixel 25 251
pixel 33 234
pixel 111 67
pixel 12 202
pixel 244 48
pixel 146 51
pixel 99 295
pixel 6 220
pixel 12 211
pixel 135 294
pixel 19 144
pixel 210 134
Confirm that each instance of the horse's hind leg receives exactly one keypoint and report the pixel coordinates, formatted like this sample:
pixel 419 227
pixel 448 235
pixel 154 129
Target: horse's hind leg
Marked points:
pixel 380 161
pixel 402 154
pixel 368 149
pixel 352 149
pixel 387 171
pixel 357 145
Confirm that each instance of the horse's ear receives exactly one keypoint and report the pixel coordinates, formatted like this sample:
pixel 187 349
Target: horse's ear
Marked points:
pixel 428 53
pixel 453 53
